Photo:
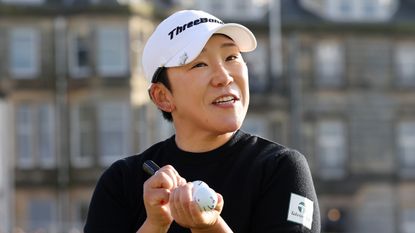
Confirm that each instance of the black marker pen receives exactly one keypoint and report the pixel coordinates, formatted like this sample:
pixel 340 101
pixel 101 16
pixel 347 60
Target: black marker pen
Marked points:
pixel 150 167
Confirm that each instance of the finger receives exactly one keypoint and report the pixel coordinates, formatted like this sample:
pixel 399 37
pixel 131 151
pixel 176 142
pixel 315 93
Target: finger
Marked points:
pixel 185 197
pixel 182 198
pixel 163 197
pixel 195 212
pixel 162 179
pixel 220 204
pixel 171 172
pixel 175 202
pixel 206 217
pixel 156 197
pixel 174 179
pixel 177 179
pixel 202 218
pixel 182 181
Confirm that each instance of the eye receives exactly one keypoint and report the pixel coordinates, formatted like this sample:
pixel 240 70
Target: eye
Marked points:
pixel 198 65
pixel 232 57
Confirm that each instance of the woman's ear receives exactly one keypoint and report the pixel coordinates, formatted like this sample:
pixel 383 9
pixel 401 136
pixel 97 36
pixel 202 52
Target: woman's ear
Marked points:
pixel 161 97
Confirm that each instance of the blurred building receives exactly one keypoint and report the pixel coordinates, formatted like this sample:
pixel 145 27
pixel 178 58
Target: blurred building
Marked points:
pixel 344 95
pixel 6 190
pixel 355 65
pixel 70 71
pixel 334 79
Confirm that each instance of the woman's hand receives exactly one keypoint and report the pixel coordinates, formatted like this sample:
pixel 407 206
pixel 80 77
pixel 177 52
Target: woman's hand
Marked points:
pixel 168 197
pixel 157 191
pixel 185 211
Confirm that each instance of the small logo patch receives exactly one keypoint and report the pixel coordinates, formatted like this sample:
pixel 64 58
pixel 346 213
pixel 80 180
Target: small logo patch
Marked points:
pixel 301 207
pixel 183 58
pixel 300 210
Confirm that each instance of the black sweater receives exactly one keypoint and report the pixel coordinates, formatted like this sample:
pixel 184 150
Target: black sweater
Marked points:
pixel 257 178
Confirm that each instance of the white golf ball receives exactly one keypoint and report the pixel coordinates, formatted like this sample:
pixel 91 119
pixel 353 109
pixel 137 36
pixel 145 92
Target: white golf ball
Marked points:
pixel 205 197
pixel 198 183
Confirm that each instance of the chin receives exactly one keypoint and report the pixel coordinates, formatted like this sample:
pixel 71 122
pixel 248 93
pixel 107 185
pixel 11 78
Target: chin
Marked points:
pixel 229 127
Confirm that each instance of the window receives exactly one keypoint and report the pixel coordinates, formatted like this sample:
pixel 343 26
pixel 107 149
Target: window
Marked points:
pixel 329 64
pixel 235 9
pixel 35 135
pixel 378 9
pixel 405 64
pixel 406 147
pixel 408 220
pixel 278 131
pixel 80 213
pixel 103 129
pixel 369 7
pixel 82 137
pixel 24 1
pixel 241 9
pixel 42 215
pixel 24 53
pixel 360 10
pixel 112 51
pixel 242 5
pixel 46 142
pixel 142 127
pixel 113 129
pixel 255 125
pixel 212 6
pixel 24 140
pixel 331 149
pixel 257 67
pixel 339 9
pixel 79 60
pixel 345 7
pixel 129 1
pixel 164 128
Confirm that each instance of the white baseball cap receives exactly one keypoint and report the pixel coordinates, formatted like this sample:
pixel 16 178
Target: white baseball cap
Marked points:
pixel 180 38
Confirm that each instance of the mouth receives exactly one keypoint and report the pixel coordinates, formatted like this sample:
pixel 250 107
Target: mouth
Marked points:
pixel 223 100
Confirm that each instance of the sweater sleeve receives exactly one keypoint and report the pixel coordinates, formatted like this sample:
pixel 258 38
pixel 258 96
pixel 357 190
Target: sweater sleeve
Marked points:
pixel 109 207
pixel 288 201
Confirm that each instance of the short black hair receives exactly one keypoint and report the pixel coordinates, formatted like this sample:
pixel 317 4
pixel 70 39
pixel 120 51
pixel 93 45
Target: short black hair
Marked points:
pixel 160 76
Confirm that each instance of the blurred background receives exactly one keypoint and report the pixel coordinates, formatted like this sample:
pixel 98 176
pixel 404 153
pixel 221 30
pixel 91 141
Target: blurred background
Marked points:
pixel 334 79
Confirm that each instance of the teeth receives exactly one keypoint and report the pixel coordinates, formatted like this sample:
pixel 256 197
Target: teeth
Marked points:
pixel 224 99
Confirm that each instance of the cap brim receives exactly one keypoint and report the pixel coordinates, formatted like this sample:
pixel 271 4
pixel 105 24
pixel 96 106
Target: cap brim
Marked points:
pixel 241 35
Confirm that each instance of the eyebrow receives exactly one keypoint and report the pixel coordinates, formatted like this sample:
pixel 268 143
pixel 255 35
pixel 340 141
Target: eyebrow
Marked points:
pixel 224 45
pixel 228 44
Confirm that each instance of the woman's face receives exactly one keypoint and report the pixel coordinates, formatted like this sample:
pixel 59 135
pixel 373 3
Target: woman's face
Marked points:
pixel 212 92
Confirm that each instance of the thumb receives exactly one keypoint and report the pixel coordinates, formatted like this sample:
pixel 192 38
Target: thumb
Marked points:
pixel 221 202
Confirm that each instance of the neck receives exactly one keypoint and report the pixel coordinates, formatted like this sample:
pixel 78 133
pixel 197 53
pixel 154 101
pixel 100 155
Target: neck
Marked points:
pixel 201 142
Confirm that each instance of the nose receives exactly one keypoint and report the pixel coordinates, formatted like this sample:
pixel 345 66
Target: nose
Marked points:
pixel 221 76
